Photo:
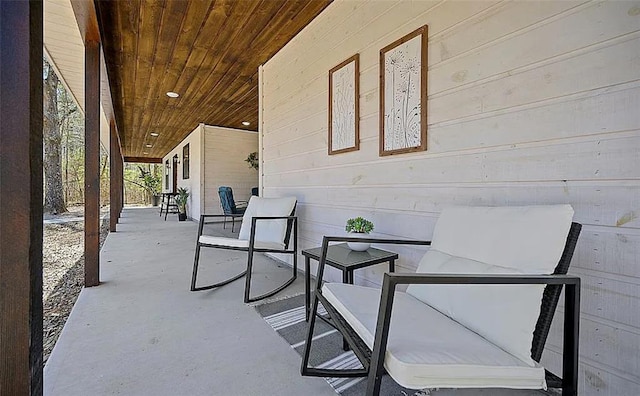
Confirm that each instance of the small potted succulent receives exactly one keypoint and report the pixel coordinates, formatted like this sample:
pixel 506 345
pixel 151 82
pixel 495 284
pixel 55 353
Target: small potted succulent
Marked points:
pixel 181 200
pixel 359 227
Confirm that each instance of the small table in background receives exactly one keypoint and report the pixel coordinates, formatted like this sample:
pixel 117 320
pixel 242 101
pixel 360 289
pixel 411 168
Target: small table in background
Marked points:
pixel 347 260
pixel 168 203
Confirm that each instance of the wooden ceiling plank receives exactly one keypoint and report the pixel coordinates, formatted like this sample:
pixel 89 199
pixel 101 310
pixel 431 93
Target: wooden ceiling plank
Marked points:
pixel 125 15
pixel 208 51
pixel 129 23
pixel 232 100
pixel 220 48
pixel 251 25
pixel 232 115
pixel 151 19
pixel 198 60
pixel 191 25
pixel 217 23
pixel 145 160
pixel 236 123
pixel 252 58
pixel 311 8
pixel 168 31
pixel 116 74
pixel 238 48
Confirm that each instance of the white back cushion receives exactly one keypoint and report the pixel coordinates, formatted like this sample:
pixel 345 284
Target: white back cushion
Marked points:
pixel 490 241
pixel 529 238
pixel 267 230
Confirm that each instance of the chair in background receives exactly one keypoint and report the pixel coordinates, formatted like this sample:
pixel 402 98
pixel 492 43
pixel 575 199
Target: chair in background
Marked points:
pixel 230 207
pixel 268 225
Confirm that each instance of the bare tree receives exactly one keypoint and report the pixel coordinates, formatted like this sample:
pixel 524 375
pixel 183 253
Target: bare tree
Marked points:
pixel 54 201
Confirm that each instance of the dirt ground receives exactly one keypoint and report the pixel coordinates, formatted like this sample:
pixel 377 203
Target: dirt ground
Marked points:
pixel 63 270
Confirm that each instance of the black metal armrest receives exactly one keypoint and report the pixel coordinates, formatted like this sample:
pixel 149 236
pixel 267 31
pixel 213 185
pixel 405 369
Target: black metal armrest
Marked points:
pixel 442 279
pixel 219 215
pixel 206 216
pixel 274 217
pixel 327 239
pixel 202 217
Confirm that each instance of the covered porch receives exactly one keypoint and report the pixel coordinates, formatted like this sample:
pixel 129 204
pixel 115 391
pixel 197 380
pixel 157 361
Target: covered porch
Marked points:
pixel 527 103
pixel 142 332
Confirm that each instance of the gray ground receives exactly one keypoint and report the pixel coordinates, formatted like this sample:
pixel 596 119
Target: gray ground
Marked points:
pixel 142 332
pixel 63 270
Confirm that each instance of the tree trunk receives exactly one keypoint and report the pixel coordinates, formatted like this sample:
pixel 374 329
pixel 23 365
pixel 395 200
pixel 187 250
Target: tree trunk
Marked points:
pixel 52 139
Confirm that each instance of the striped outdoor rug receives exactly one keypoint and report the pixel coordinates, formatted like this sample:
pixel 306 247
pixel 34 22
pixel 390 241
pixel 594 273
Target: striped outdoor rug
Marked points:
pixel 286 317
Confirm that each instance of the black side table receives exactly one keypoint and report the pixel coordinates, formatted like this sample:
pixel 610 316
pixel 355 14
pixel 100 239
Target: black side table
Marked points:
pixel 346 260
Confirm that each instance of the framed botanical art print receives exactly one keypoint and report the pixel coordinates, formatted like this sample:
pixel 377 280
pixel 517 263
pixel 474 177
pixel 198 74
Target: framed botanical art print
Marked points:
pixel 403 94
pixel 344 106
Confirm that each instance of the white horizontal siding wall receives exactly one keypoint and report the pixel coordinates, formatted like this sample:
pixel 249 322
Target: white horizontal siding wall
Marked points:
pixel 217 159
pixel 225 151
pixel 528 103
pixel 194 182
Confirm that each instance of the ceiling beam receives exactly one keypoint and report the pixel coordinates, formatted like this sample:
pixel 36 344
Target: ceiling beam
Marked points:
pixel 144 160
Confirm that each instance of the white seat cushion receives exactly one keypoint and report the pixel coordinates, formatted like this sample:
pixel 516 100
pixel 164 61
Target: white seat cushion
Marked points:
pixel 267 230
pixel 490 241
pixel 426 349
pixel 238 243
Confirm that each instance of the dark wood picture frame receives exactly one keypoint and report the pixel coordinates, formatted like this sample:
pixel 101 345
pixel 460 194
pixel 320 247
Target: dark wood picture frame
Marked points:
pixel 332 110
pixel 422 32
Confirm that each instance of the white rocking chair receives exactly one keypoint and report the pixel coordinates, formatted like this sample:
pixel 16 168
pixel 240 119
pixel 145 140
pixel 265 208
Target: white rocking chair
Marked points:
pixel 268 225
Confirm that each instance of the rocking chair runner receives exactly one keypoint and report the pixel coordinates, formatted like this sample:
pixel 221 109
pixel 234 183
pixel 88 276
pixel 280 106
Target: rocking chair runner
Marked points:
pixel 469 335
pixel 268 225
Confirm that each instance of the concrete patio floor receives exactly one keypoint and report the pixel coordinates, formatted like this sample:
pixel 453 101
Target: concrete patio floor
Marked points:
pixel 142 332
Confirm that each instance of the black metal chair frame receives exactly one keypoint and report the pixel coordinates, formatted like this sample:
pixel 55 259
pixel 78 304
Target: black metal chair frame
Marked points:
pixel 292 228
pixel 373 361
pixel 240 207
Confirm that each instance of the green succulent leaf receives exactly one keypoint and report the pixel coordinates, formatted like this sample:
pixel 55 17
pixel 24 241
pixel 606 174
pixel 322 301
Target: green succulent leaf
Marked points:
pixel 360 225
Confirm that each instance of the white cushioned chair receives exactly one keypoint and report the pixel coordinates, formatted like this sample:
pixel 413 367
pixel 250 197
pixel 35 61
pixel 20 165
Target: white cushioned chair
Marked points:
pixel 475 315
pixel 269 225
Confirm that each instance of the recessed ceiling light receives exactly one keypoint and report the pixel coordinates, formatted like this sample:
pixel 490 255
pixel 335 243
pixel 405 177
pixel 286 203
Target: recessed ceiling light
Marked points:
pixel 154 134
pixel 172 94
pixel 149 145
pixel 246 123
pixel 144 152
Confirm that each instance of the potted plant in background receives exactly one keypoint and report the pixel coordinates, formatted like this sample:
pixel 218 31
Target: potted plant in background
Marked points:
pixel 151 182
pixel 359 227
pixel 252 160
pixel 181 200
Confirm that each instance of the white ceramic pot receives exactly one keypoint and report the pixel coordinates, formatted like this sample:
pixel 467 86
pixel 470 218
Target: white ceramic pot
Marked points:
pixel 358 246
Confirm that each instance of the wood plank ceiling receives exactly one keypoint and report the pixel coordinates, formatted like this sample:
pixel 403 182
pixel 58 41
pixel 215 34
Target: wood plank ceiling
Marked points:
pixel 208 51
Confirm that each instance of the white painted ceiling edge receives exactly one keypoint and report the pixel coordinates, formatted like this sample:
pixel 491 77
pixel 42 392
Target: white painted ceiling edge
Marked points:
pixel 64 49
